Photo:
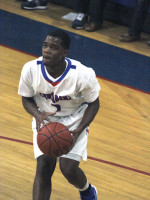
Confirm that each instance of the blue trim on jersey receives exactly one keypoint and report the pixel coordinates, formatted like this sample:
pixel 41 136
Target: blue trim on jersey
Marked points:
pixel 69 66
pixel 127 68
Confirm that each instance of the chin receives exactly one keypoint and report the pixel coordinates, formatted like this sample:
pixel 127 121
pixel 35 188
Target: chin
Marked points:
pixel 46 62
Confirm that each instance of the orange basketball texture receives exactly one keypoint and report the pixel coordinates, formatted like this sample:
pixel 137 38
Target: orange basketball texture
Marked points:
pixel 54 139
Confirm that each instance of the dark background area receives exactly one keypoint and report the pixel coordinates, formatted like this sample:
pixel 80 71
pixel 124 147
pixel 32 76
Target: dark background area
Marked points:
pixel 116 11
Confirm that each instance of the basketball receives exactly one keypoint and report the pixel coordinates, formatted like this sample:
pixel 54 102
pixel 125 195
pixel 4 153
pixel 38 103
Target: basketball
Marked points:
pixel 54 139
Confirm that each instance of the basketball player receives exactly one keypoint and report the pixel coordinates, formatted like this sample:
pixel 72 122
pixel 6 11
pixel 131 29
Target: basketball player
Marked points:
pixel 56 88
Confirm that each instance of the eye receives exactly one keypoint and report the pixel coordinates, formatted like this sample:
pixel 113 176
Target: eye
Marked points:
pixel 54 47
pixel 45 45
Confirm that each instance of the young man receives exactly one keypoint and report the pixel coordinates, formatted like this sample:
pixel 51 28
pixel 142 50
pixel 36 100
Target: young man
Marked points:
pixel 56 88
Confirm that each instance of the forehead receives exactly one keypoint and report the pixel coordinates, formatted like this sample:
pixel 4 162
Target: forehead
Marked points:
pixel 53 40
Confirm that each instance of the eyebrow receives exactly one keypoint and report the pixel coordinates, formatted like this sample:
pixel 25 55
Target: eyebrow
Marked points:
pixel 51 43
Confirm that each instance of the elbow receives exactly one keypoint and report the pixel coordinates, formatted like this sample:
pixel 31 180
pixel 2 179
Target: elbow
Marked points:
pixel 96 104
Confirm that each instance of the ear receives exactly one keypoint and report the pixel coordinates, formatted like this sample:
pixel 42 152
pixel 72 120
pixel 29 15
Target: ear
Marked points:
pixel 66 51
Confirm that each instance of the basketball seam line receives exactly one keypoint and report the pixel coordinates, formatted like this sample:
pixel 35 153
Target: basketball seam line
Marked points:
pixel 53 137
pixel 63 139
pixel 44 140
pixel 57 136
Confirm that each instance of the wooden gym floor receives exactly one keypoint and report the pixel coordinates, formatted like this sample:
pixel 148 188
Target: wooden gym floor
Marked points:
pixel 119 139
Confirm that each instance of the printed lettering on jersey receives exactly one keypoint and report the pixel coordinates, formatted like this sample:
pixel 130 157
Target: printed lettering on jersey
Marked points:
pixel 55 98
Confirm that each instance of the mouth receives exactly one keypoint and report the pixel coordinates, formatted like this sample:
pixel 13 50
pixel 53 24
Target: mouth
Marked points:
pixel 46 58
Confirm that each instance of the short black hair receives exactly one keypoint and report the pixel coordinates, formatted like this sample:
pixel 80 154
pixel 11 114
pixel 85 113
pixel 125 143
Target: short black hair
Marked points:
pixel 65 38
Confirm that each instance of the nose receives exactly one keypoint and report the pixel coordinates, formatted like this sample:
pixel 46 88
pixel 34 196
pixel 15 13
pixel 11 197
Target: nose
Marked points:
pixel 47 50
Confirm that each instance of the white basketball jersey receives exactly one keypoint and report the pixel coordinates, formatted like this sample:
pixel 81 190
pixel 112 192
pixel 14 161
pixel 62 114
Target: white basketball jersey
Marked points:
pixel 78 84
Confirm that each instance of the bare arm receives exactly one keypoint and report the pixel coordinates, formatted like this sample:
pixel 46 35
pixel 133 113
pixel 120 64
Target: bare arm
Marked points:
pixel 31 107
pixel 88 117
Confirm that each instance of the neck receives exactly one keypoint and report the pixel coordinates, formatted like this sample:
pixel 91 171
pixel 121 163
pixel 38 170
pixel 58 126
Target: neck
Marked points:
pixel 57 70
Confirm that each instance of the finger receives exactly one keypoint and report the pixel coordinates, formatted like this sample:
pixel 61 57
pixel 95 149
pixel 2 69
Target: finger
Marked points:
pixel 46 119
pixel 38 126
pixel 43 122
pixel 72 133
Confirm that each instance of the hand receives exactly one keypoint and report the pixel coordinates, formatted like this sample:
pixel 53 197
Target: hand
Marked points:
pixel 75 134
pixel 40 117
